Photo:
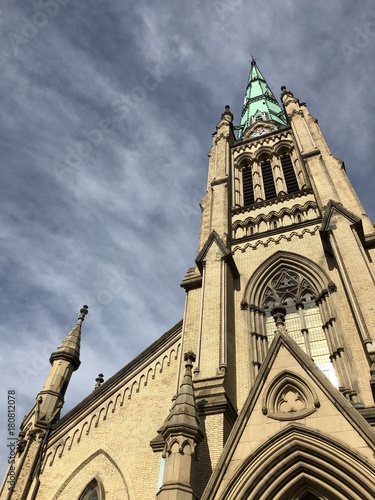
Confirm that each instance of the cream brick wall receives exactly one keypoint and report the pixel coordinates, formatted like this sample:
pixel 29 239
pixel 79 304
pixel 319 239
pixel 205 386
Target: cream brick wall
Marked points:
pixel 209 450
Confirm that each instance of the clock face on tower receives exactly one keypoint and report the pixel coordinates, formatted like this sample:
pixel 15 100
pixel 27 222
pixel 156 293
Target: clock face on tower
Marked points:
pixel 260 131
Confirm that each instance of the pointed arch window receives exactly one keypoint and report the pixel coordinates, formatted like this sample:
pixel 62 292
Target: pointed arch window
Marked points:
pixel 93 491
pixel 299 293
pixel 289 174
pixel 302 321
pixel 248 188
pixel 270 175
pixel 268 182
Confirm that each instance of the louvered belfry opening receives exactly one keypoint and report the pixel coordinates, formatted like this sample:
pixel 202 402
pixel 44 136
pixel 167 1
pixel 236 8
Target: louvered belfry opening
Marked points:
pixel 248 188
pixel 289 174
pixel 268 182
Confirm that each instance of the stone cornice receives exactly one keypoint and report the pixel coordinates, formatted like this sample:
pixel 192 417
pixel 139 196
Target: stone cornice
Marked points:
pixel 212 399
pixel 274 201
pixel 192 279
pixel 216 182
pixel 309 154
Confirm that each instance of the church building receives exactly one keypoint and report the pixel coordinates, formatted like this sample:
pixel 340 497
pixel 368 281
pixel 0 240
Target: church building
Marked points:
pixel 265 389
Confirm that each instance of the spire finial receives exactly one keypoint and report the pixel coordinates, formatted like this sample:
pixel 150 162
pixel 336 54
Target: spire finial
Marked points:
pixel 227 115
pixel 253 60
pixel 83 311
pixel 189 357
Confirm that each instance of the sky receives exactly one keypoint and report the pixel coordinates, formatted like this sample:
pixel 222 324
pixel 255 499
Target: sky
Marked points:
pixel 107 110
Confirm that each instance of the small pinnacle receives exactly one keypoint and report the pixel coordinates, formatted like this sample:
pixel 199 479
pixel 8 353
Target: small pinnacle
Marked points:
pixel 228 115
pixel 285 91
pixel 99 380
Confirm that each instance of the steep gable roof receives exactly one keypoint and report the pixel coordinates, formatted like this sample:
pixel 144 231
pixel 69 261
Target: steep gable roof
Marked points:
pixel 213 239
pixel 269 430
pixel 333 209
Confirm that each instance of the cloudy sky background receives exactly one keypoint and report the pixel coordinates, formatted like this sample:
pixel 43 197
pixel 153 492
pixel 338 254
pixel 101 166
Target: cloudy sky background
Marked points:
pixel 113 223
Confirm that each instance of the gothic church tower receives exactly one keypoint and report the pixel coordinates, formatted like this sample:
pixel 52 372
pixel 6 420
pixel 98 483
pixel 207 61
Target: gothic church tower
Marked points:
pixel 272 369
pixel 287 250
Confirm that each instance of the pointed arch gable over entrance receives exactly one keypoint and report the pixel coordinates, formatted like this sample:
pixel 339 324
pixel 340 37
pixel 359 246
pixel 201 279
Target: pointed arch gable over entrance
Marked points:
pixel 327 452
pixel 297 461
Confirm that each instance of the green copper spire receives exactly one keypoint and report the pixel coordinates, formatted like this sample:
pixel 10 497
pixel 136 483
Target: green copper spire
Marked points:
pixel 260 104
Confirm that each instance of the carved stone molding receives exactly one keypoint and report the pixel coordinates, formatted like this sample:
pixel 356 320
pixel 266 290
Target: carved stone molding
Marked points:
pixel 181 445
pixel 266 242
pixel 286 217
pixel 289 397
pixel 267 203
pixel 273 137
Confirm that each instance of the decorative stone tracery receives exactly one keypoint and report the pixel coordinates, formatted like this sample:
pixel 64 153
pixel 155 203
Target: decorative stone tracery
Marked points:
pixel 289 397
pixel 301 287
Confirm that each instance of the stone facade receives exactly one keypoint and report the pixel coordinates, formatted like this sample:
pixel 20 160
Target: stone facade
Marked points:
pixel 279 402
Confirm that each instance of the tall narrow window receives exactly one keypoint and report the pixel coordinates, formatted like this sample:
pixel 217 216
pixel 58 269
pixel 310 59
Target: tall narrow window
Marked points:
pixel 289 174
pixel 268 183
pixel 248 190
pixel 161 473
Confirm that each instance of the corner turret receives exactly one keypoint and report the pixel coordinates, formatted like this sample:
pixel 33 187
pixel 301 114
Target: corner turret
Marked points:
pixel 65 360
pixel 36 426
